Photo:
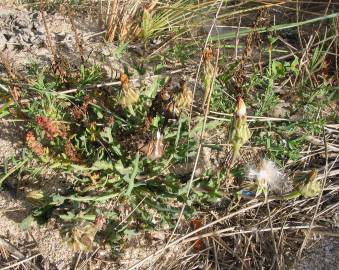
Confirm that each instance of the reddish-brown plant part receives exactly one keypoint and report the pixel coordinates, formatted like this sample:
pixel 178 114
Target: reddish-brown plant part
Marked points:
pixel 199 245
pixel 78 112
pixel 51 128
pixel 70 152
pixel 100 221
pixel 34 145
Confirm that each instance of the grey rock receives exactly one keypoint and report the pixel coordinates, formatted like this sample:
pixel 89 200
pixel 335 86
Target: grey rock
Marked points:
pixel 60 36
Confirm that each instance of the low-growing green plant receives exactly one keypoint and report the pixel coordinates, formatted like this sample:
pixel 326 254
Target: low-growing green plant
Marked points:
pixel 111 152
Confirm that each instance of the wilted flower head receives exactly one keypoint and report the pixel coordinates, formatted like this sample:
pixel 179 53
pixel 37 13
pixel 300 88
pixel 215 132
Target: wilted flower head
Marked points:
pixel 124 79
pixel 268 176
pixel 312 187
pixel 129 96
pixel 82 236
pixel 51 128
pixel 183 99
pixel 155 148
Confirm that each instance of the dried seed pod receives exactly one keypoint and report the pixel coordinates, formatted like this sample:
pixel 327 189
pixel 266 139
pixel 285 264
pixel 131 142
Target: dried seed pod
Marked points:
pixel 129 96
pixel 239 132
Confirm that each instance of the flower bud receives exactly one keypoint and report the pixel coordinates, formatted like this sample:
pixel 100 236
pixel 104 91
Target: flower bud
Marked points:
pixel 239 133
pixel 240 107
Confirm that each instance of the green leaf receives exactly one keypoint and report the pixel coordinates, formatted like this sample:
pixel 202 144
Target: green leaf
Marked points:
pixel 3 109
pixel 152 90
pixel 68 217
pixel 209 125
pixel 102 165
pixel 135 171
pixel 107 134
pixel 57 200
pixel 121 169
pixel 26 223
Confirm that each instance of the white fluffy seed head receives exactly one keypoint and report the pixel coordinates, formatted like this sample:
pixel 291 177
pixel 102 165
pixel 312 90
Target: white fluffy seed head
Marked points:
pixel 268 176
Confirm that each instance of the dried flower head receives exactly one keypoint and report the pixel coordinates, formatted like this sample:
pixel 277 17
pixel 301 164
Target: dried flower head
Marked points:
pixel 154 149
pixel 82 236
pixel 124 79
pixel 78 112
pixel 34 145
pixel 100 222
pixel 268 177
